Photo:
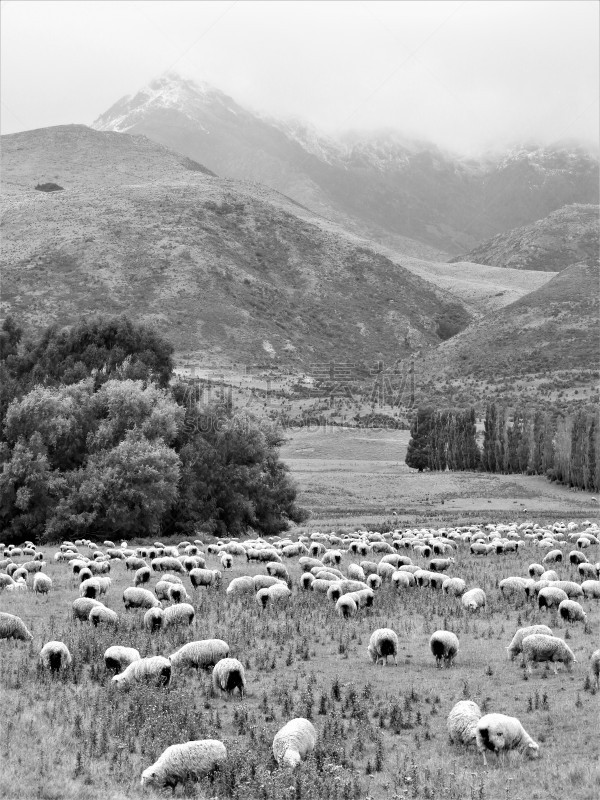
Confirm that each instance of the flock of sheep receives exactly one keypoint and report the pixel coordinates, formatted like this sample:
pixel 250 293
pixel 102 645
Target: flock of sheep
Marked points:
pixel 379 559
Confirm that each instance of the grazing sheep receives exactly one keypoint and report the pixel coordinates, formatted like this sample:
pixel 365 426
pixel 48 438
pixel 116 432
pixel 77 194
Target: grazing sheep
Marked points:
pixel 516 645
pixel 201 654
pixel 6 580
pixel 179 614
pixel 177 594
pixel 82 607
pixel 571 588
pixel 539 648
pixel 265 582
pixel 55 656
pixel 576 557
pixel 549 575
pixel 182 762
pixel 33 566
pixel 444 646
pixel 134 563
pixel 402 580
pixel 515 585
pixel 462 722
pixel 383 643
pixel 102 614
pixel 99 567
pixel 319 585
pixel 440 564
pixel 94 587
pixel 385 570
pixel 332 557
pixel 306 581
pixel 154 619
pixel 554 556
pixel 356 573
pixel 587 570
pixel 363 598
pixel 535 570
pixel 294 742
pixel 368 567
pixel 498 733
pixel 480 549
pixel 13 627
pixel 277 594
pixel 155 670
pixel 308 563
pixel 161 590
pixel 473 599
pixel 228 675
pixel 42 583
pixel 455 587
pixel 346 606
pixel 591 589
pixel 206 577
pixel 135 597
pixel 20 572
pixel 226 560
pixel 373 582
pixel 551 597
pixel 571 611
pixel 141 576
pixel 118 658
pixel 18 585
pixel 596 667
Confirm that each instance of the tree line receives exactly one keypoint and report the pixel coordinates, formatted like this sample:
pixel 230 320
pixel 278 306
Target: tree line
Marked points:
pixel 564 448
pixel 97 441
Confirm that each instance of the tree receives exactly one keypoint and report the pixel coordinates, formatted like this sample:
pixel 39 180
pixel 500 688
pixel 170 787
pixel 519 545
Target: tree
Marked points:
pixel 418 453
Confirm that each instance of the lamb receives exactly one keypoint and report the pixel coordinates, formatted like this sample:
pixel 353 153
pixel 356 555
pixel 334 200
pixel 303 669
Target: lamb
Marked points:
pixel 462 722
pixel 155 670
pixel 497 732
pixel 444 646
pixel 383 643
pixel 228 675
pixel 42 583
pixel 591 589
pixel 181 762
pixel 571 611
pixel 179 614
pixel 154 619
pixel 101 614
pixel 206 577
pixel 551 596
pixel 55 656
pixel 13 627
pixel 294 742
pixel 473 599
pixel 346 606
pixel 516 645
pixel 118 658
pixel 135 597
pixel 455 587
pixel 82 607
pixel 539 647
pixel 596 667
pixel 200 654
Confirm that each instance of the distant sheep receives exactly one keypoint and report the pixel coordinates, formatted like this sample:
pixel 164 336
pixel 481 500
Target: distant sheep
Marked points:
pixel 294 742
pixel 55 656
pixel 229 675
pixel 441 564
pixel 539 648
pixel 240 586
pixel 205 577
pixel 498 733
pixel 516 645
pixel 444 645
pixel 119 658
pixel 554 556
pixel 155 670
pixel 135 597
pixel 13 627
pixel 201 654
pixel 462 722
pixel 42 583
pixel 473 599
pixel 383 643
pixel 183 762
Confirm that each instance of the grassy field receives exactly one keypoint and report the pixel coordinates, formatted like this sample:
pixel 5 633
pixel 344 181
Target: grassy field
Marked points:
pixel 382 730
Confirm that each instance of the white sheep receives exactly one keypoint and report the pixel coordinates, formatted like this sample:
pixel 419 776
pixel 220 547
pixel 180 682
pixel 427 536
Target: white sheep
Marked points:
pixel 205 577
pixel 402 580
pixel 535 570
pixel 94 587
pixel 516 645
pixel 226 560
pixel 136 597
pixel 383 643
pixel 278 594
pixel 346 606
pixel 591 589
pixel 5 580
pixel 444 645
pixel 356 573
pixel 596 667
pixel 228 675
pixel 293 742
pixel 156 670
pixel 181 762
pixel 201 654
pixel 119 658
pixel 154 619
pixel 82 607
pixel 571 611
pixel 550 597
pixel 141 576
pixel 13 627
pixel 179 614
pixel 265 582
pixel 571 588
pixel 473 599
pixel 455 587
pixel 499 733
pixel 103 614
pixel 178 594
pixel 462 722
pixel 515 585
pixel 240 586
pixel 540 647
pixel 55 656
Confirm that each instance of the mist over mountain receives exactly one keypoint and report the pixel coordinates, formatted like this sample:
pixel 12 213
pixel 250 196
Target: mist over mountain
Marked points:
pixel 380 184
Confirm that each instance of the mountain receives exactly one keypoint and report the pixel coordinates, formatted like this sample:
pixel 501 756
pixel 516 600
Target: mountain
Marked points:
pixel 222 268
pixel 409 195
pixel 555 327
pixel 567 236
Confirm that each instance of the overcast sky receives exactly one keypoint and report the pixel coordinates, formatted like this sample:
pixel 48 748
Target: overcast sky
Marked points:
pixel 467 74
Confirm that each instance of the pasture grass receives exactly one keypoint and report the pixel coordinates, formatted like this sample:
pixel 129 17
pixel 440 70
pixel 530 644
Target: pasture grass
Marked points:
pixel 382 730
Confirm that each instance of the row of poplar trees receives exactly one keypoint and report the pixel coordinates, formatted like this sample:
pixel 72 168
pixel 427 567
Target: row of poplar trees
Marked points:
pixel 565 448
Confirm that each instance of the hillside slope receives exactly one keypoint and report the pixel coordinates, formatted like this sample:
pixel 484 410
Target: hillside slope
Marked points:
pixel 220 267
pixel 378 184
pixel 567 236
